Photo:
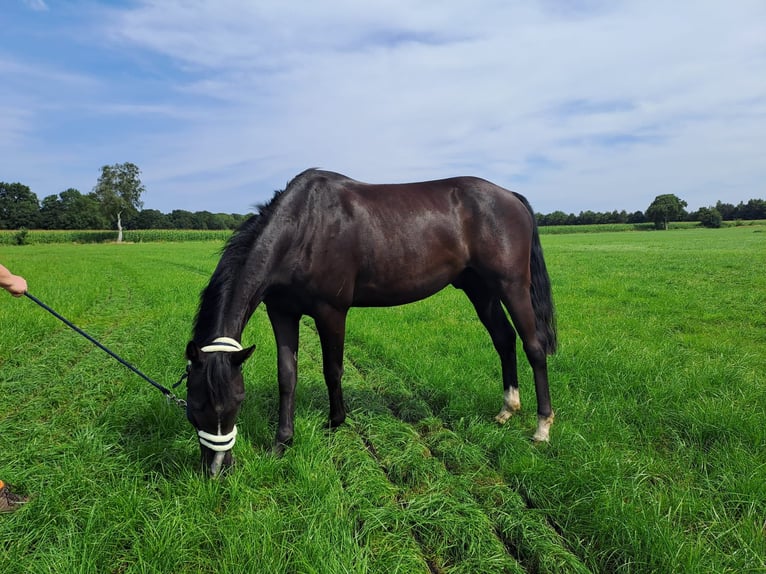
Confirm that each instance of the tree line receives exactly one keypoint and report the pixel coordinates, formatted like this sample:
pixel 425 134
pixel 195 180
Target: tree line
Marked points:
pixel 115 202
pixel 664 208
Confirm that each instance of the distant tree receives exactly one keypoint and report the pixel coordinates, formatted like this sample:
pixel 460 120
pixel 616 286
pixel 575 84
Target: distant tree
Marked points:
pixel 200 219
pixel 556 218
pixel 149 219
pixel 709 217
pixel 119 191
pixel 71 210
pixel 181 219
pixel 19 207
pixel 587 218
pixel 727 210
pixel 225 221
pixel 204 220
pixel 636 217
pixel 84 211
pixel 50 213
pixel 665 208
pixel 753 209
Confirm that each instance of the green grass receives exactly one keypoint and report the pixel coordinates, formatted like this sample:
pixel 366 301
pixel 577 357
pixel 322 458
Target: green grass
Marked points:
pixel 657 460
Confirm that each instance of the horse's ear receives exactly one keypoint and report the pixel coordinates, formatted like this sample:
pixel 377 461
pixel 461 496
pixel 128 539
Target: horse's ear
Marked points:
pixel 241 356
pixel 192 352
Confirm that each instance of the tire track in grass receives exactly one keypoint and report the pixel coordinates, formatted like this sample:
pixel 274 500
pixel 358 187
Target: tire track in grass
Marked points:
pixel 456 504
pixel 195 269
pixel 439 517
pixel 373 499
pixel 524 532
pixel 370 498
pixel 453 530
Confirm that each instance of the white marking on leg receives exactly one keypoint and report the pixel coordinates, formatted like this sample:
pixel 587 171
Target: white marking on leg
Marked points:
pixel 215 466
pixel 511 404
pixel 543 428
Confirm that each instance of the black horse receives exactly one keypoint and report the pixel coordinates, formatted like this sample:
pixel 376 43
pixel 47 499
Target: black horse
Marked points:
pixel 327 243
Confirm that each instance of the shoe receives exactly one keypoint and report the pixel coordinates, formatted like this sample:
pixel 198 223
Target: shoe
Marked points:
pixel 10 501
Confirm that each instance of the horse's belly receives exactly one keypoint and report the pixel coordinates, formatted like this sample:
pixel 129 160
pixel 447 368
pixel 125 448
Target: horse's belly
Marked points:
pixel 408 284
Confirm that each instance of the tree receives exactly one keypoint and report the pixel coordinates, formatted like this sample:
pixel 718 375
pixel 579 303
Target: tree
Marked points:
pixel 71 210
pixel 83 211
pixel 709 217
pixel 149 219
pixel 50 213
pixel 556 218
pixel 119 192
pixel 753 209
pixel 727 210
pixel 19 207
pixel 637 217
pixel 181 219
pixel 664 208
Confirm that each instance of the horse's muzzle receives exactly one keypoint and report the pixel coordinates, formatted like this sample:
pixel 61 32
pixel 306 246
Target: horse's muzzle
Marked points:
pixel 216 449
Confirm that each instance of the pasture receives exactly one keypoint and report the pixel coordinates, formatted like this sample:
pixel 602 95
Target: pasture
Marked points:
pixel 657 460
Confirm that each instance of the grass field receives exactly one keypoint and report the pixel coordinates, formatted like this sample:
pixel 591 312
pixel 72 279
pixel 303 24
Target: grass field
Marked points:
pixel 657 460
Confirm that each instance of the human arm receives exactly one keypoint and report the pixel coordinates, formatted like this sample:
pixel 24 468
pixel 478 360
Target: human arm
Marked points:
pixel 14 284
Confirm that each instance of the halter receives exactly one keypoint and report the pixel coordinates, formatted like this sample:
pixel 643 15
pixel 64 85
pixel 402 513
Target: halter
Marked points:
pixel 223 345
pixel 220 442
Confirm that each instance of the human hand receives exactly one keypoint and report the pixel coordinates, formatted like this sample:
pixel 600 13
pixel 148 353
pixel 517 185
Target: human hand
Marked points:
pixel 17 286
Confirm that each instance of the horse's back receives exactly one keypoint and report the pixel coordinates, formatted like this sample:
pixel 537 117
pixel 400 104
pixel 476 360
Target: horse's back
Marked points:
pixel 467 215
pixel 464 198
pixel 376 244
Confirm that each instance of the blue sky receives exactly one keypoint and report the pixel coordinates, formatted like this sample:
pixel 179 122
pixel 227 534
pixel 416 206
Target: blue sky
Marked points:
pixel 578 105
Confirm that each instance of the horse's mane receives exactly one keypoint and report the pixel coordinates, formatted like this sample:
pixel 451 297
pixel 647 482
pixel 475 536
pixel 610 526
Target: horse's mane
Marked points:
pixel 233 257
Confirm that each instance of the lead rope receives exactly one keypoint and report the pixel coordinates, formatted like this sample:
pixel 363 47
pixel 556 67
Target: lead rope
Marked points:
pixel 172 398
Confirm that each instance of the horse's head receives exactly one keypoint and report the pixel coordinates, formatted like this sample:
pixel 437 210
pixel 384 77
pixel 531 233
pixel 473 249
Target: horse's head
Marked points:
pixel 214 393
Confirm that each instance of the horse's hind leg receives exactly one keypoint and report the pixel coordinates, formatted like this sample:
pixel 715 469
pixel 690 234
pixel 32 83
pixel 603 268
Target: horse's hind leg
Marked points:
pixel 516 297
pixel 331 326
pixel 491 313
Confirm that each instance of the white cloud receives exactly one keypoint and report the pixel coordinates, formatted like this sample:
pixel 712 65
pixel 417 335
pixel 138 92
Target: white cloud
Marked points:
pixel 37 5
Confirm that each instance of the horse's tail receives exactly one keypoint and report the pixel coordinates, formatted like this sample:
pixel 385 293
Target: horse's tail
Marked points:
pixel 542 298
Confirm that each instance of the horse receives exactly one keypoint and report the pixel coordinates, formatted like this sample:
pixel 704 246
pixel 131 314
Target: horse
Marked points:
pixel 327 243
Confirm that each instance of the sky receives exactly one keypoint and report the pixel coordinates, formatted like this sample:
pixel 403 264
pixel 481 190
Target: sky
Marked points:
pixel 576 104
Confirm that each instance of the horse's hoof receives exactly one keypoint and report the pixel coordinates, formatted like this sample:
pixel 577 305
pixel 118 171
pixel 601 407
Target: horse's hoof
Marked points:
pixel 279 448
pixel 503 416
pixel 542 434
pixel 332 425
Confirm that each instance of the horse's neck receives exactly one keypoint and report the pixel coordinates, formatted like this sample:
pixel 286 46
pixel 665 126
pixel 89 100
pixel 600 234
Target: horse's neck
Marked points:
pixel 226 314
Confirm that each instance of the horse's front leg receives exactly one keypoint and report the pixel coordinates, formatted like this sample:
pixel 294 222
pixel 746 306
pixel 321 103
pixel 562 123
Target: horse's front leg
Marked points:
pixel 285 328
pixel 331 326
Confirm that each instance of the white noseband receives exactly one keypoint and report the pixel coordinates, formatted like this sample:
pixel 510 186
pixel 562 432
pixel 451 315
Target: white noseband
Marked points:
pixel 218 442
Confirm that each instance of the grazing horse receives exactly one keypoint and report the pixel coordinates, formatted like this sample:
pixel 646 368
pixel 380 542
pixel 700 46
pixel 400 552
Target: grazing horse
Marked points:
pixel 328 243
